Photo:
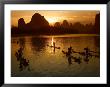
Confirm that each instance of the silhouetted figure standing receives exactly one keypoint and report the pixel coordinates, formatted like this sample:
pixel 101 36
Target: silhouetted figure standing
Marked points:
pixel 68 54
pixel 69 51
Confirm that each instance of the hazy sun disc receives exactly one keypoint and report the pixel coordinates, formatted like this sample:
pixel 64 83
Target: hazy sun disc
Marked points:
pixel 52 20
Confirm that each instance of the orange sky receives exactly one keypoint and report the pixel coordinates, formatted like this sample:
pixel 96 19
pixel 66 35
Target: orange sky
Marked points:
pixel 55 16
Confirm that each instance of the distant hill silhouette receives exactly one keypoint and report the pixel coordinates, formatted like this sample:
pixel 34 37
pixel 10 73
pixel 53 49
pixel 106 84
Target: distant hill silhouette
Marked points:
pixel 21 23
pixel 37 22
pixel 97 23
pixel 40 26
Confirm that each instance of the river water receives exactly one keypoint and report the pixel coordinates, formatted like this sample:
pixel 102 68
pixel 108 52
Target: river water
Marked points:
pixel 45 61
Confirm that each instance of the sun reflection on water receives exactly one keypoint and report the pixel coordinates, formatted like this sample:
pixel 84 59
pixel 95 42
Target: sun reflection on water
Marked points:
pixel 52 41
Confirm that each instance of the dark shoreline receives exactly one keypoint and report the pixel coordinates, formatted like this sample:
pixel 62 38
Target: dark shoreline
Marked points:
pixel 21 35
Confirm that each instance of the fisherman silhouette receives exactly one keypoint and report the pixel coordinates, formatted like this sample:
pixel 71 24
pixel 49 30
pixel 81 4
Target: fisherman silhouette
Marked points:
pixel 69 56
pixel 23 63
pixel 53 46
pixel 20 51
pixel 69 51
pixel 19 54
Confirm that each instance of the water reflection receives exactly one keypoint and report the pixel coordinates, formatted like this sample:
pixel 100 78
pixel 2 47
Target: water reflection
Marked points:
pixel 21 42
pixel 87 54
pixel 55 56
pixel 97 41
pixel 53 45
pixel 37 44
pixel 23 62
pixel 70 56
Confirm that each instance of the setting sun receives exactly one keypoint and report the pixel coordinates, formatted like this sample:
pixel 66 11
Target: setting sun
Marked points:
pixel 55 16
pixel 52 20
